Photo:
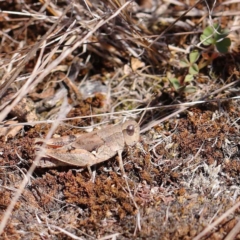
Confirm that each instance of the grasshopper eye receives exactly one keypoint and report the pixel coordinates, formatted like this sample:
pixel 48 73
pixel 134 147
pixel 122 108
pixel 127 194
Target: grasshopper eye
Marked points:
pixel 130 130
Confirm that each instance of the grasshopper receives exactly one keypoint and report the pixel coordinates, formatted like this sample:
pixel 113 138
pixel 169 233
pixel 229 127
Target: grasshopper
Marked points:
pixel 88 149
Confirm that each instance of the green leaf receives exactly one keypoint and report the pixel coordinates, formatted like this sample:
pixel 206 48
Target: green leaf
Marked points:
pixel 207 40
pixel 175 83
pixel 193 56
pixel 208 31
pixel 190 89
pixel 188 78
pixel 184 63
pixel 193 70
pixel 223 46
pixel 216 27
pixel 221 36
pixel 208 36
pixel 221 33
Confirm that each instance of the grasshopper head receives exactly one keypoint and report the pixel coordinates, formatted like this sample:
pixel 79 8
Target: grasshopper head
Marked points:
pixel 131 132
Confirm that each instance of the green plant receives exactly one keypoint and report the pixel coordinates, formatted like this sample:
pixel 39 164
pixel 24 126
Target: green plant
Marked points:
pixel 177 85
pixel 212 35
pixel 215 35
pixel 193 68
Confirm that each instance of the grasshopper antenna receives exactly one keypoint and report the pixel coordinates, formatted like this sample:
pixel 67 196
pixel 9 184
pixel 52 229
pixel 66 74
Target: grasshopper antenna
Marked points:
pixel 144 112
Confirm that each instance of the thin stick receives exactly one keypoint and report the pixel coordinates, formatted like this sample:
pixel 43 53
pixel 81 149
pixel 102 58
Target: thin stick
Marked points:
pixel 215 223
pixel 233 233
pixel 189 104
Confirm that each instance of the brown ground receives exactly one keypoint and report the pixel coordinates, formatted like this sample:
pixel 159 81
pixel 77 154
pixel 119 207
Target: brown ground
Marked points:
pixel 184 172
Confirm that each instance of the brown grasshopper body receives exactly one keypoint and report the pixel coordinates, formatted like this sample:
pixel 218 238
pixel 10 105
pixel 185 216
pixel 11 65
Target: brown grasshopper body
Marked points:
pixel 88 149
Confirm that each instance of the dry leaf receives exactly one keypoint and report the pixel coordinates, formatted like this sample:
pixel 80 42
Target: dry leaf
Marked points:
pixel 136 64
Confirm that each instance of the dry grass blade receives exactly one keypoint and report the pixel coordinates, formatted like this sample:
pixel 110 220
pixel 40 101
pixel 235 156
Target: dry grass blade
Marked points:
pixel 217 221
pixel 29 173
pixel 29 55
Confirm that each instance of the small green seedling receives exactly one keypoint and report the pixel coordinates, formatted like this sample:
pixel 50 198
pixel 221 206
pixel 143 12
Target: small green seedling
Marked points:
pixel 175 83
pixel 193 68
pixel 215 35
pixel 212 35
pixel 178 87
